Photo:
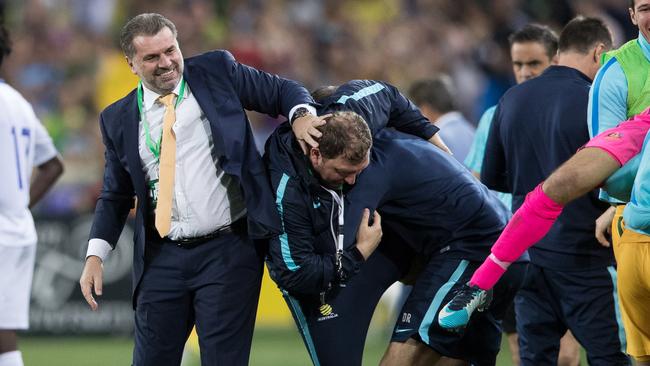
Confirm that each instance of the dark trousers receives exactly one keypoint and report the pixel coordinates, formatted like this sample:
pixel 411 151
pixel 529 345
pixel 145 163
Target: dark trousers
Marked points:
pixel 214 285
pixel 550 302
pixel 335 334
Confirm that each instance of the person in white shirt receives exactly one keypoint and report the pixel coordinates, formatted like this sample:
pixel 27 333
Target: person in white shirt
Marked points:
pixel 24 144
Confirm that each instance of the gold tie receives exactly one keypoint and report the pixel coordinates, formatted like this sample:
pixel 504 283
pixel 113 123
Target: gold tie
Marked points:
pixel 167 167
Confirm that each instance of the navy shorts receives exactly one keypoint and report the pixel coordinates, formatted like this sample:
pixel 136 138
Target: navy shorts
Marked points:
pixel 434 288
pixel 509 322
pixel 550 302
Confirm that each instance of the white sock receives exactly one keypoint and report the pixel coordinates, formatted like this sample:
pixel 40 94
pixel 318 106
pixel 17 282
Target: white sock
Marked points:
pixel 13 358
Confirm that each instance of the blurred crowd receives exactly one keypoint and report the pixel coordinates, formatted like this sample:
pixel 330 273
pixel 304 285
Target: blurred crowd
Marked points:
pixel 66 60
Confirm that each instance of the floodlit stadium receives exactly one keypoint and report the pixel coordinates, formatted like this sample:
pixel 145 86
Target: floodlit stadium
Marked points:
pixel 468 174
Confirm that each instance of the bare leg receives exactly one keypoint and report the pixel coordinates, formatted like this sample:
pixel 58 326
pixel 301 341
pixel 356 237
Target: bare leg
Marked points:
pixel 569 351
pixel 513 344
pixel 8 341
pixel 409 353
pixel 446 361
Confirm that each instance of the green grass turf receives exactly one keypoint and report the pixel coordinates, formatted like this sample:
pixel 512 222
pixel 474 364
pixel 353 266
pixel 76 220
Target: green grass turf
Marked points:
pixel 285 347
pixel 271 347
pixel 76 351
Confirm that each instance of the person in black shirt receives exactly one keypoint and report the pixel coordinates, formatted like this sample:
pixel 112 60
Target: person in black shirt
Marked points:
pixel 571 282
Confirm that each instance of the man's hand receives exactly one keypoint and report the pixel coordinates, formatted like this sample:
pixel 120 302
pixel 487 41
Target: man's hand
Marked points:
pixel 368 236
pixel 304 128
pixel 91 280
pixel 604 226
pixel 437 141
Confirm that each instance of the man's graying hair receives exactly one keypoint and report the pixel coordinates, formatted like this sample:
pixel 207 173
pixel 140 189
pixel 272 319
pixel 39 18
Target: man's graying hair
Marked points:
pixel 345 134
pixel 147 24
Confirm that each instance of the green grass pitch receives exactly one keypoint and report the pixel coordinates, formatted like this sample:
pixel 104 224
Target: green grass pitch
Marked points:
pixel 271 347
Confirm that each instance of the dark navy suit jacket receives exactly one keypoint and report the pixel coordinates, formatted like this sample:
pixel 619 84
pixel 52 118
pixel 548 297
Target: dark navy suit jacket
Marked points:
pixel 223 88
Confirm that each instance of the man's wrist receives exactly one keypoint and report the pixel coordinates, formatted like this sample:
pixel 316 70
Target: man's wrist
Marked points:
pixel 99 248
pixel 94 257
pixel 300 112
pixel 348 263
pixel 360 252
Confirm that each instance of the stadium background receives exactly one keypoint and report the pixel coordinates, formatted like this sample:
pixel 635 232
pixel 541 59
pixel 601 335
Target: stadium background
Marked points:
pixel 67 63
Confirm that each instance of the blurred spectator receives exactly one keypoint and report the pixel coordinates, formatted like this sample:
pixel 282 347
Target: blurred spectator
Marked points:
pixel 63 55
pixel 436 98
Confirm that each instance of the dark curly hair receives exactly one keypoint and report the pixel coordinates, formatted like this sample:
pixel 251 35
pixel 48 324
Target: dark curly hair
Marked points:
pixel 536 33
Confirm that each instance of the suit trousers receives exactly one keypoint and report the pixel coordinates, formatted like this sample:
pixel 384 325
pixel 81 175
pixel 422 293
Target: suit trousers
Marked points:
pixel 214 285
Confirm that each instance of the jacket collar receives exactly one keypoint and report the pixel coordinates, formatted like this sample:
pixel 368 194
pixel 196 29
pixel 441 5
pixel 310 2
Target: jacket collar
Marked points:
pixel 131 120
pixel 209 103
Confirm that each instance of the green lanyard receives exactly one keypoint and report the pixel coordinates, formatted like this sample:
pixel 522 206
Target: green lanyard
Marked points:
pixel 152 145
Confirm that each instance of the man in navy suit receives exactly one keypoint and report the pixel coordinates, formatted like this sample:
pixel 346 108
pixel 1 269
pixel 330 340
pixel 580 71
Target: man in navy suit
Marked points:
pixel 199 262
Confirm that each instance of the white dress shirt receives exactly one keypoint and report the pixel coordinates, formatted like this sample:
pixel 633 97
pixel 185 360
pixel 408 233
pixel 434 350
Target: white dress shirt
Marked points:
pixel 204 197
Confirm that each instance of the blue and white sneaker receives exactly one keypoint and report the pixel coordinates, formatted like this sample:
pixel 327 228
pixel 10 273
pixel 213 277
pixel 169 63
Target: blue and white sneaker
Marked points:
pixel 455 315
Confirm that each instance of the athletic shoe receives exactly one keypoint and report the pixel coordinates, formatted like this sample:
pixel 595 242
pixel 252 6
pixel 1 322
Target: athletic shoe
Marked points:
pixel 455 315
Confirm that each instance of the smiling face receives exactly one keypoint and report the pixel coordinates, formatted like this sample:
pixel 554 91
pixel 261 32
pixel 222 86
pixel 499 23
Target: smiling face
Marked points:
pixel 640 15
pixel 158 61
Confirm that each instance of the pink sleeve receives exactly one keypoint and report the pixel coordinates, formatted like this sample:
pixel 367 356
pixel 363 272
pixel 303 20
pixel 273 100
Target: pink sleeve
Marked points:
pixel 624 141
